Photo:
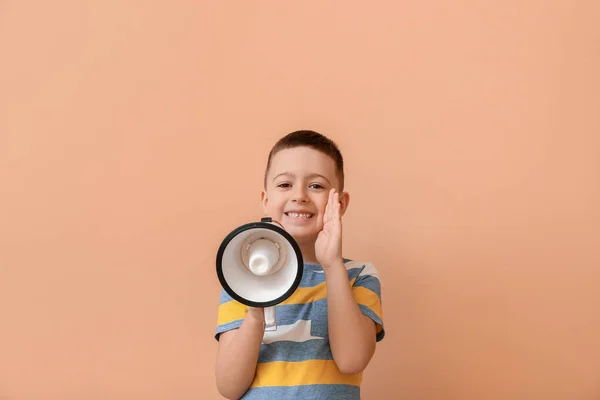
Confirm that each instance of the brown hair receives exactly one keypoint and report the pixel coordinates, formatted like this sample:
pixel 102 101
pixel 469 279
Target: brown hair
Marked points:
pixel 313 140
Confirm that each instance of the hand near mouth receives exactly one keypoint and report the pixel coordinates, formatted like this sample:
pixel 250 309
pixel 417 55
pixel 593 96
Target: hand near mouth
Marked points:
pixel 328 247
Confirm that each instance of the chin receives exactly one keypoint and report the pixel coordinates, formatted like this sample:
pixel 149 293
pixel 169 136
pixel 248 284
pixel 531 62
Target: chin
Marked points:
pixel 301 235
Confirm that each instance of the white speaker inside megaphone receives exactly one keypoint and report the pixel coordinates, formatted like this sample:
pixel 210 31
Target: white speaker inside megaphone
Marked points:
pixel 260 265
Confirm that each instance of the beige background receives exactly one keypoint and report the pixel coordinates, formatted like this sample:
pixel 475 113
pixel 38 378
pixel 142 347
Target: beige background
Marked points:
pixel 133 137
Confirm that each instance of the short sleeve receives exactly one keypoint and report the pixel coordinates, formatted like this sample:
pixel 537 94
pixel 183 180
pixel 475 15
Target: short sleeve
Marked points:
pixel 230 314
pixel 367 292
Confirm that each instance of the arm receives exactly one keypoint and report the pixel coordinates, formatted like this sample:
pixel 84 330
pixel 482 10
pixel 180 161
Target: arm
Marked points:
pixel 351 333
pixel 238 355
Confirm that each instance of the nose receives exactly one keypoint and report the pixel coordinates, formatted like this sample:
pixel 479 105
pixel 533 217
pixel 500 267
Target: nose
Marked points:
pixel 300 195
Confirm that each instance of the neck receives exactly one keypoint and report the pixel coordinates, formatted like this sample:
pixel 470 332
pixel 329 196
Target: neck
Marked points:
pixel 308 252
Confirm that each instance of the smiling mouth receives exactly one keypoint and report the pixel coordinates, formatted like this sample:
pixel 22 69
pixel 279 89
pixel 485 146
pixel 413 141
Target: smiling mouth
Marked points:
pixel 299 215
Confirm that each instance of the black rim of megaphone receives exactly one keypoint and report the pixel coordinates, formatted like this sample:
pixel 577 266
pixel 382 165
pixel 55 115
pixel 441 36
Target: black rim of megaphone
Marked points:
pixel 266 225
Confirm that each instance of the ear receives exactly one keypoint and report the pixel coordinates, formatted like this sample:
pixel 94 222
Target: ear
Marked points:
pixel 264 199
pixel 344 202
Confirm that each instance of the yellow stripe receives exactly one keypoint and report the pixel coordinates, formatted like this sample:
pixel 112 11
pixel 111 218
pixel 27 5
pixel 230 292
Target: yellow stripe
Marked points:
pixel 281 373
pixel 231 311
pixel 234 310
pixel 368 298
pixel 304 295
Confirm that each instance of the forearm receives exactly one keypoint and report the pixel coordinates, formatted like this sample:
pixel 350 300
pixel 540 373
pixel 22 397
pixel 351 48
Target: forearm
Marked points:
pixel 351 333
pixel 237 359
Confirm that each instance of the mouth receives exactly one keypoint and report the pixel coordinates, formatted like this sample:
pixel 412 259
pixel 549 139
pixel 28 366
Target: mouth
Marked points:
pixel 299 215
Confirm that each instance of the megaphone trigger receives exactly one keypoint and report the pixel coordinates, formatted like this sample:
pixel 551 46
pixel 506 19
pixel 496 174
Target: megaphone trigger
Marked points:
pixel 270 320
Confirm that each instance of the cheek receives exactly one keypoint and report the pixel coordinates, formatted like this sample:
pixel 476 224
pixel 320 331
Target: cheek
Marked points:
pixel 321 206
pixel 275 203
pixel 277 207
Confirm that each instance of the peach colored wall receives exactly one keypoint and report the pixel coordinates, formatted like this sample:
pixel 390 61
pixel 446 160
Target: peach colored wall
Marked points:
pixel 133 137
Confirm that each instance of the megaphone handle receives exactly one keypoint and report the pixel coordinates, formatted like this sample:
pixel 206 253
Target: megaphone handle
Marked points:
pixel 270 320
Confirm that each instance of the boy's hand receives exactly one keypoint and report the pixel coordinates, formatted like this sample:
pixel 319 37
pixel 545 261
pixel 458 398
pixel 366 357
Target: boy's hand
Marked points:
pixel 328 247
pixel 257 313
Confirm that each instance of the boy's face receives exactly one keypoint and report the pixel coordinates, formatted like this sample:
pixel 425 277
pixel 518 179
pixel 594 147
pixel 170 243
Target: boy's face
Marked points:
pixel 297 190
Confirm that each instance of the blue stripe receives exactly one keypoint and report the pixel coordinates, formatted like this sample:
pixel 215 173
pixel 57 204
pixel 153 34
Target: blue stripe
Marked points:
pixel 287 314
pixel 329 392
pixel 315 349
pixel 228 326
pixel 311 278
pixel 353 273
pixel 224 297
pixel 314 276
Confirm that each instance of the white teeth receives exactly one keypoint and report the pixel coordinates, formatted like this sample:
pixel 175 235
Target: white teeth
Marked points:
pixel 299 215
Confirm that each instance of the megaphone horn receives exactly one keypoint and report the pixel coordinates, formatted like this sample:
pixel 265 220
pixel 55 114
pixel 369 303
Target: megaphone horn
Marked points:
pixel 260 265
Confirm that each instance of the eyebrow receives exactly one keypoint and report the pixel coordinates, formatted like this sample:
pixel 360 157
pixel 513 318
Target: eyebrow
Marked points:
pixel 309 176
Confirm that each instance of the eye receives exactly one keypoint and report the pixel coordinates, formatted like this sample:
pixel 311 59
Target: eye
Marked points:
pixel 284 185
pixel 316 186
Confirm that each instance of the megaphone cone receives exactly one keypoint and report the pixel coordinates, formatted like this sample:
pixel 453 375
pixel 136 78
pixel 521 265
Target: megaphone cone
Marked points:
pixel 260 265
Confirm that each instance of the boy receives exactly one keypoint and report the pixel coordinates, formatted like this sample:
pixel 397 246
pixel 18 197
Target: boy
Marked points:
pixel 336 310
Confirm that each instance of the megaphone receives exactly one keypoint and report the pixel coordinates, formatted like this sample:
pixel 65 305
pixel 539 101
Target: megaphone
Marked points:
pixel 260 265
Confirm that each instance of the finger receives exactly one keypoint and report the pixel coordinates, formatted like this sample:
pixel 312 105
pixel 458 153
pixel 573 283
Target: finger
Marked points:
pixel 325 217
pixel 328 209
pixel 336 207
pixel 327 212
pixel 331 203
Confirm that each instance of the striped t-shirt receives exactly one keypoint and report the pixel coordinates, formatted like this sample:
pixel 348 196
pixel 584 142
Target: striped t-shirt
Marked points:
pixel 295 361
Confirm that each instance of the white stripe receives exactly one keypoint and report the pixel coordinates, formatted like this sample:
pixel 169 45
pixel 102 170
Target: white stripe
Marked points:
pixel 299 331
pixel 369 268
pixel 354 264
